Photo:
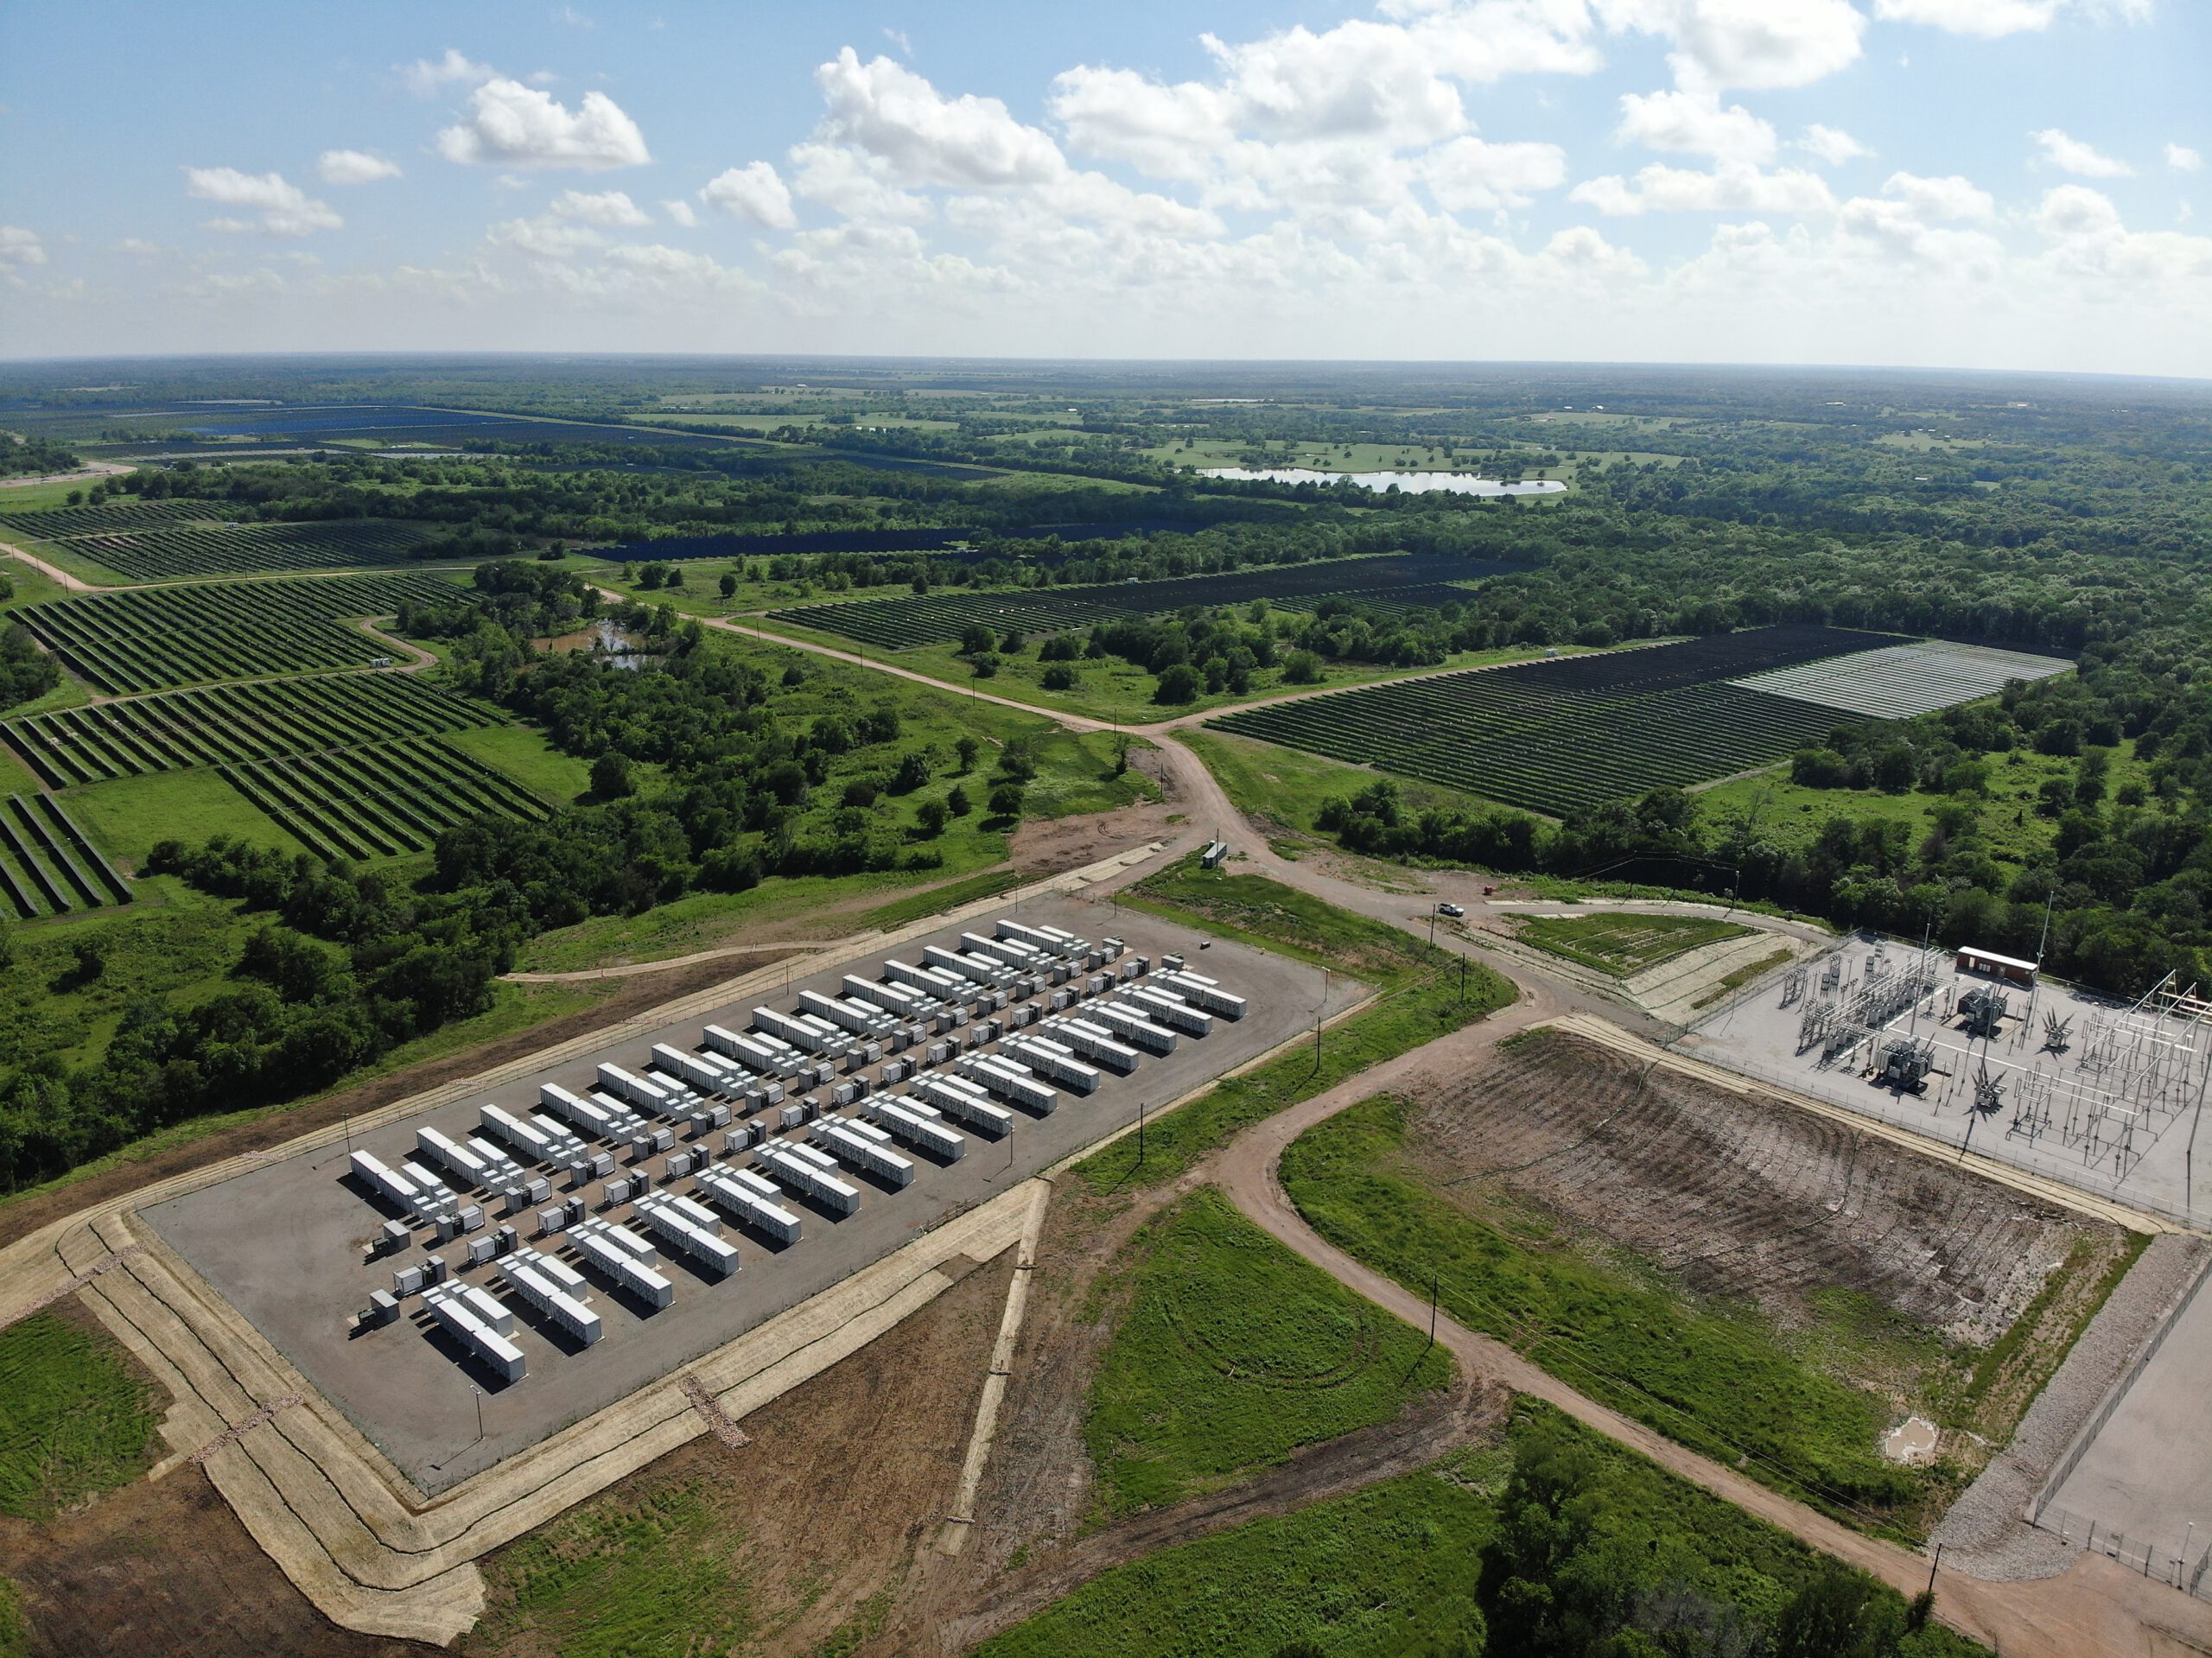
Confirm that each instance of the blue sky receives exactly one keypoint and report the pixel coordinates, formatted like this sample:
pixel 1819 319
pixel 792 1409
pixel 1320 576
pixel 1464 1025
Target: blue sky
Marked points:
pixel 1989 183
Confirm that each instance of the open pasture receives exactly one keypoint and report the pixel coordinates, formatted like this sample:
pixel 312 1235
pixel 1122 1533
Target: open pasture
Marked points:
pixel 193 549
pixel 229 725
pixel 897 624
pixel 150 638
pixel 1558 736
pixel 379 799
pixel 47 866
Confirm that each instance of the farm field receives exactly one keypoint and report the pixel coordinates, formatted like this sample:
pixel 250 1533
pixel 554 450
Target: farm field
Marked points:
pixel 1650 1239
pixel 1231 1353
pixel 1622 945
pixel 153 637
pixel 895 624
pixel 1558 736
pixel 193 549
pixel 48 866
pixel 226 725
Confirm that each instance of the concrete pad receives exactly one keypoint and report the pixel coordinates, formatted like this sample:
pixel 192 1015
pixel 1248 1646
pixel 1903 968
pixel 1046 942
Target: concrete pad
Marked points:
pixel 2147 1475
pixel 2110 1114
pixel 282 1242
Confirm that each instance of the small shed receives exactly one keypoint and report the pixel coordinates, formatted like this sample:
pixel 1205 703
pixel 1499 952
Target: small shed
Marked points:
pixel 1991 965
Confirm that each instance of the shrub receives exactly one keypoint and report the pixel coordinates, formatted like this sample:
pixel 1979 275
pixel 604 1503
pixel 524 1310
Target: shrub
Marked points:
pixel 610 775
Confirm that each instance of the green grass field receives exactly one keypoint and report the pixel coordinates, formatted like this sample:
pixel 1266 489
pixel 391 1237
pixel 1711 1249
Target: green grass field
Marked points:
pixel 1421 994
pixel 173 943
pixel 1231 1353
pixel 802 907
pixel 15 1634
pixel 75 1420
pixel 1384 1572
pixel 1391 1572
pixel 1112 686
pixel 1790 815
pixel 1720 1378
pixel 125 817
pixel 900 913
pixel 32 586
pixel 605 1581
pixel 525 755
pixel 1622 945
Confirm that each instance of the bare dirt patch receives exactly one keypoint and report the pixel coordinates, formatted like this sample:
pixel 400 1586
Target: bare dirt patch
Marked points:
pixel 846 1479
pixel 1048 846
pixel 165 1567
pixel 26 1215
pixel 1739 1198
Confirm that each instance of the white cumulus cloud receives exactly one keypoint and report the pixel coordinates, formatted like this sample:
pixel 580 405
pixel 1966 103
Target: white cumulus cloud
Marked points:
pixel 1751 43
pixel 354 166
pixel 285 209
pixel 884 110
pixel 1831 144
pixel 2089 241
pixel 2183 159
pixel 19 246
pixel 1987 18
pixel 612 207
pixel 427 77
pixel 1731 186
pixel 1991 19
pixel 2070 155
pixel 680 213
pixel 1694 124
pixel 754 191
pixel 509 125
pixel 1468 174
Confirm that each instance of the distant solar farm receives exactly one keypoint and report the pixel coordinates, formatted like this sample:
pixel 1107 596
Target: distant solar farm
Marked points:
pixel 1400 580
pixel 1561 736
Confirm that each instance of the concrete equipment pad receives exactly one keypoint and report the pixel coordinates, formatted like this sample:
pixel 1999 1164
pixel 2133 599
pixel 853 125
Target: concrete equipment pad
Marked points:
pixel 284 1242
pixel 2147 1475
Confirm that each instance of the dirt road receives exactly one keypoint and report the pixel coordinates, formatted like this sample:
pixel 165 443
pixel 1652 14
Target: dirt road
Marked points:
pixel 2096 1606
pixel 52 572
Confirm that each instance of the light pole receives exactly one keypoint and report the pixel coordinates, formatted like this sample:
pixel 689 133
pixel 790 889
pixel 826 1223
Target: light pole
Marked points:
pixel 478 1392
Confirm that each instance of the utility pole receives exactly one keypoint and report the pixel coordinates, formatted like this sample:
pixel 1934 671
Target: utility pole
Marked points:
pixel 478 1392
pixel 1140 1107
pixel 1431 1311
